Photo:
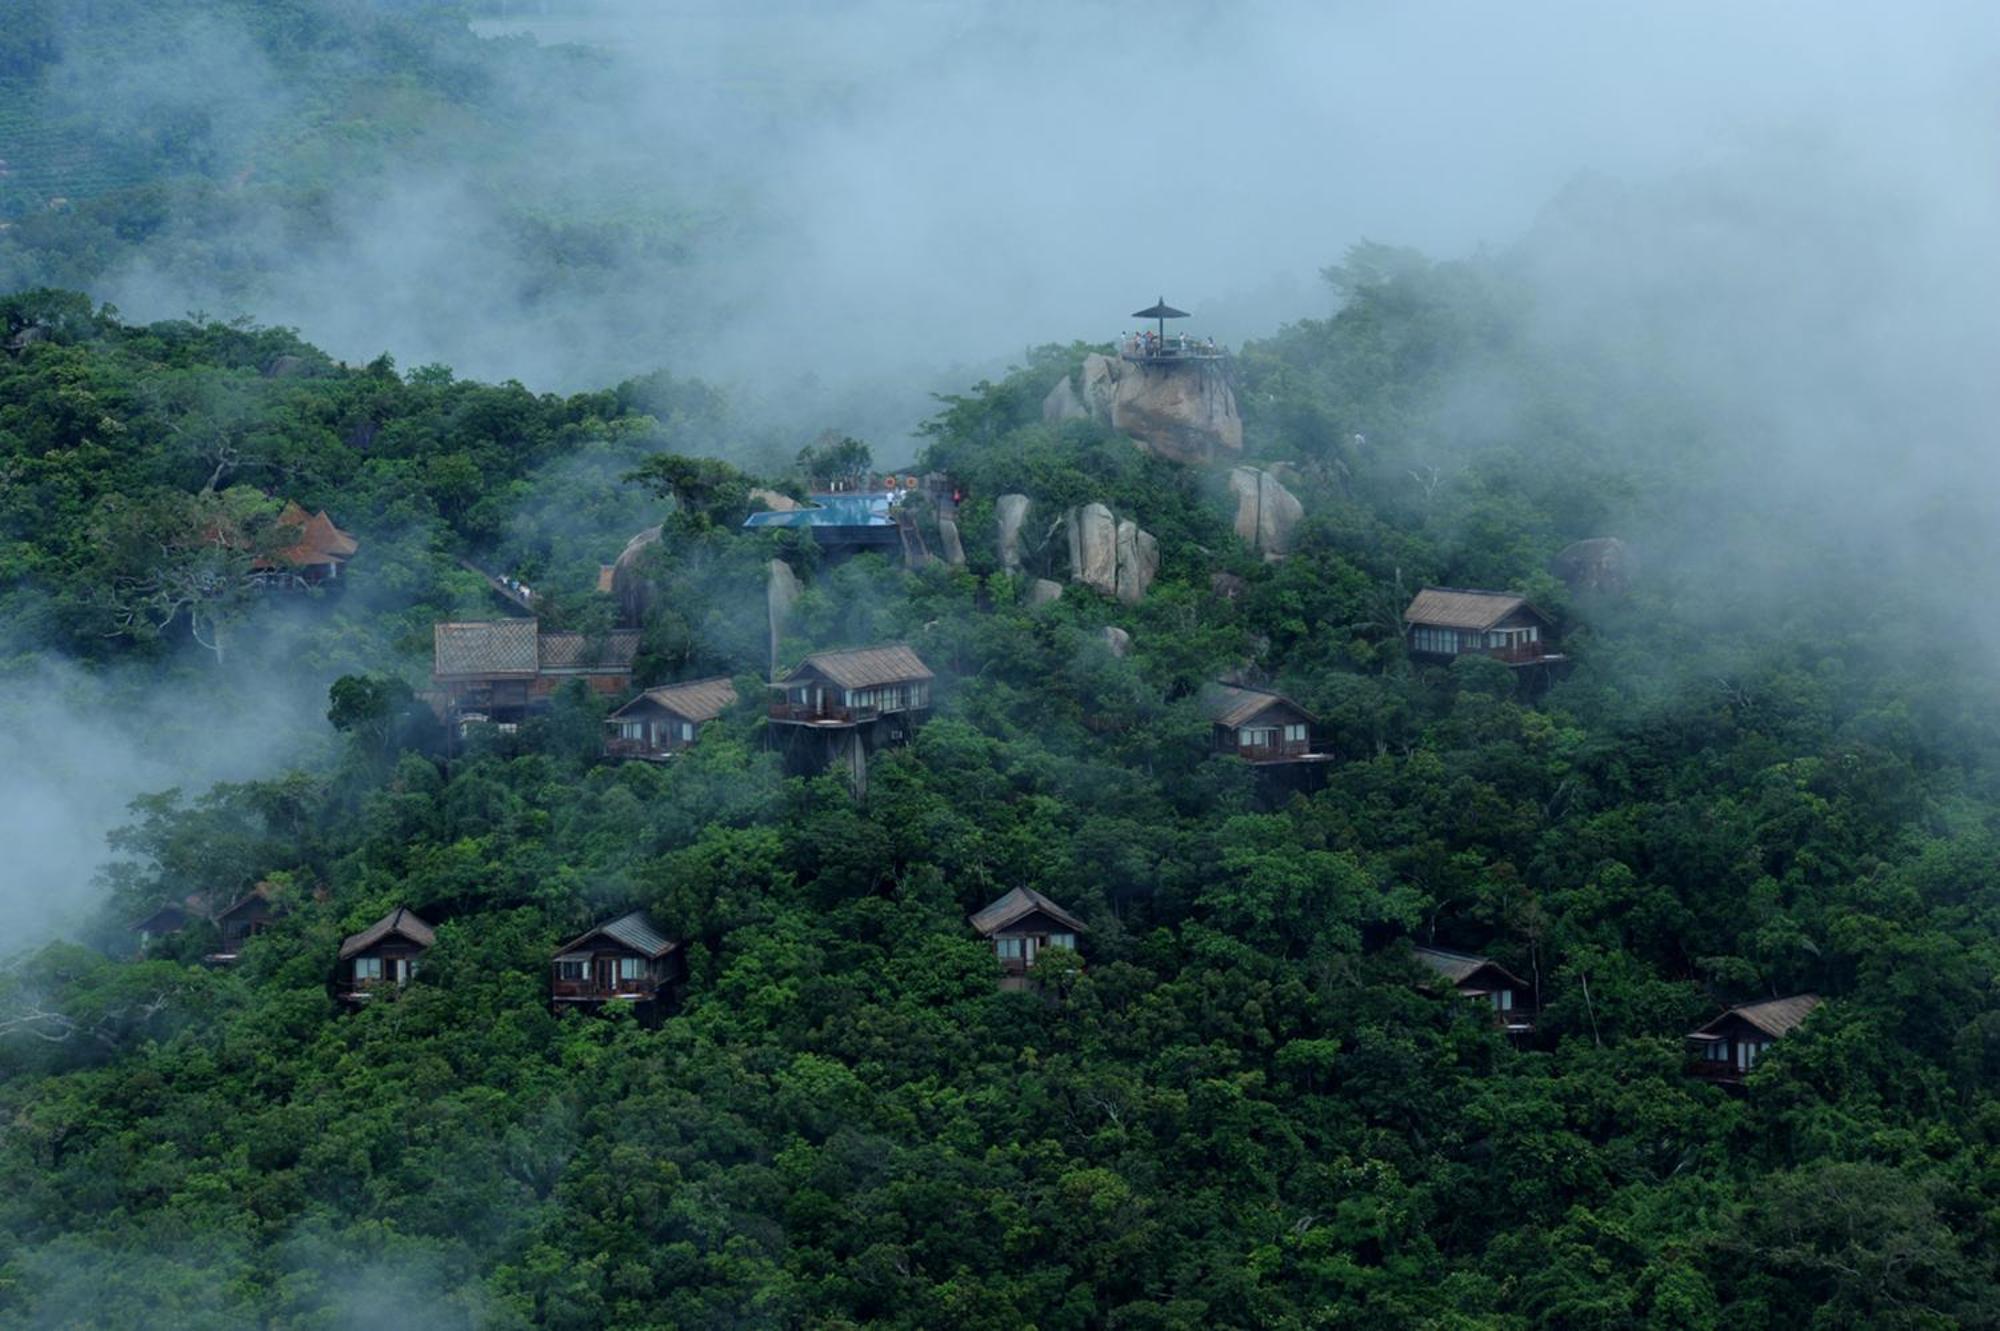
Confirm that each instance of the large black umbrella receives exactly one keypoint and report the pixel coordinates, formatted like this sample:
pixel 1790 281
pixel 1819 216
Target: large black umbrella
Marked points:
pixel 1162 312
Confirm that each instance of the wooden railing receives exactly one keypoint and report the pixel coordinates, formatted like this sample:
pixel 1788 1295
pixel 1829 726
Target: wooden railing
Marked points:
pixel 1710 1070
pixel 1523 653
pixel 617 746
pixel 636 991
pixel 823 714
pixel 1271 753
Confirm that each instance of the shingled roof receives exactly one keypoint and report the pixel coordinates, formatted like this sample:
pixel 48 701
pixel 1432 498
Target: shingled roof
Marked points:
pixel 1461 608
pixel 485 647
pixel 584 651
pixel 401 922
pixel 1234 704
pixel 1774 1017
pixel 636 931
pixel 865 667
pixel 695 700
pixel 1018 905
pixel 1458 967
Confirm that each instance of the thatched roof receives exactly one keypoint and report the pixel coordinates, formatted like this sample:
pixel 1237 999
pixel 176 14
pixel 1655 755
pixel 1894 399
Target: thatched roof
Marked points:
pixel 1774 1017
pixel 635 931
pixel 695 700
pixel 400 922
pixel 1018 905
pixel 1236 704
pixel 865 667
pixel 1458 967
pixel 1462 608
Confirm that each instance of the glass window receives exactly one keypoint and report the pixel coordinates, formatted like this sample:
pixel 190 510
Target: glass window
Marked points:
pixel 569 970
pixel 1008 948
pixel 631 968
pixel 1063 940
pixel 687 730
pixel 1295 734
pixel 1503 1000
pixel 1717 1051
pixel 368 968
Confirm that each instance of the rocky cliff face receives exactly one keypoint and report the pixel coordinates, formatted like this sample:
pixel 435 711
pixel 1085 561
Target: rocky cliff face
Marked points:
pixel 1266 512
pixel 1182 412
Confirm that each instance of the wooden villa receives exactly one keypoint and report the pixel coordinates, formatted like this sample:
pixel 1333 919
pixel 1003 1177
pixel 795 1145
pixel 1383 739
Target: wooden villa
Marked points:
pixel 169 919
pixel 501 670
pixel 1021 926
pixel 625 960
pixel 1485 981
pixel 316 557
pixel 855 686
pixel 240 921
pixel 384 955
pixel 661 722
pixel 1444 623
pixel 1259 725
pixel 843 705
pixel 1728 1047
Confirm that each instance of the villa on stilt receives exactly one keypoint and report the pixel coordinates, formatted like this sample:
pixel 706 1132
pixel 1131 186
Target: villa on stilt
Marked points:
pixel 1022 926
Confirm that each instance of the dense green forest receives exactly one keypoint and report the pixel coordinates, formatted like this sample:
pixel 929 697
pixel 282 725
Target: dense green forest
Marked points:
pixel 1771 767
pixel 1244 1107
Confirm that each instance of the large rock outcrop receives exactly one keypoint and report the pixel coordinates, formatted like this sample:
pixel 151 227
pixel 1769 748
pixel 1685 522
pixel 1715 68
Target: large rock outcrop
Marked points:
pixel 1266 512
pixel 1602 565
pixel 1010 512
pixel 1138 562
pixel 1093 547
pixel 1116 558
pixel 634 591
pixel 1116 640
pixel 775 502
pixel 950 544
pixel 781 589
pixel 1041 592
pixel 1184 412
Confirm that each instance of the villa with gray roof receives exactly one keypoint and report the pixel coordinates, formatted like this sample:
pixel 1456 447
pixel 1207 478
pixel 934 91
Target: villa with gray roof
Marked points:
pixel 1729 1046
pixel 626 960
pixel 1444 623
pixel 661 722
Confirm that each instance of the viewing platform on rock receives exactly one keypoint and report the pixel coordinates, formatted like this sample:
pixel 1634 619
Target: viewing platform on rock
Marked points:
pixel 1156 348
pixel 1169 351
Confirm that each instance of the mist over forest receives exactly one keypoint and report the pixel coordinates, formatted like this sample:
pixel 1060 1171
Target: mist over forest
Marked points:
pixel 1461 793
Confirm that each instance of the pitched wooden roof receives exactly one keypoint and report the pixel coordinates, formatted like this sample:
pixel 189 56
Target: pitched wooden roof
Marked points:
pixel 400 922
pixel 585 651
pixel 696 699
pixel 261 892
pixel 319 541
pixel 865 667
pixel 635 930
pixel 1458 967
pixel 1462 608
pixel 1018 905
pixel 1234 704
pixel 1774 1017
pixel 485 647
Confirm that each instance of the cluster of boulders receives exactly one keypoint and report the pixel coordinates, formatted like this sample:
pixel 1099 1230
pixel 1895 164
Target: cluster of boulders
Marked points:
pixel 1109 554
